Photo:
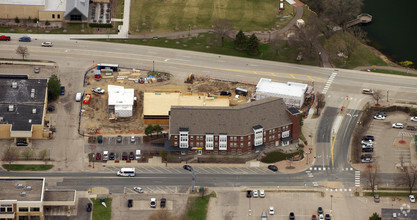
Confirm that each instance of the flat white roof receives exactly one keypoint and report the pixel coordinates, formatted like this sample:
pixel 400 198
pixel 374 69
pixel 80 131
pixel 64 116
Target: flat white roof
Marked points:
pixel 55 5
pixel 287 89
pixel 22 2
pixel 119 96
pixel 127 169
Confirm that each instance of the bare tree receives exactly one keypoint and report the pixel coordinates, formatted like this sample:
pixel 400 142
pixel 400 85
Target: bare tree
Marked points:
pixel 408 176
pixel 10 154
pixel 303 40
pixel 378 95
pixel 27 153
pixel 276 45
pixel 43 155
pixel 320 102
pixel 221 27
pixel 22 51
pixel 372 176
pixel 341 11
pixel 162 215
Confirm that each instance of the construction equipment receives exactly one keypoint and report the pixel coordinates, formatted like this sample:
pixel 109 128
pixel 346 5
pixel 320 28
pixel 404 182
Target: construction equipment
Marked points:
pixel 189 79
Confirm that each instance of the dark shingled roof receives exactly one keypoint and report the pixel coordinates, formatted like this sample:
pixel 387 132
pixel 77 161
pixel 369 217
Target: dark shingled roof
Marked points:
pixel 22 117
pixel 237 120
pixel 293 111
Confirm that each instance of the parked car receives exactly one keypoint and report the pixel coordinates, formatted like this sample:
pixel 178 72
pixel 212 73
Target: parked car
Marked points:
pixel 153 203
pixel 36 69
pixel 62 90
pixel 398 125
pixel 321 217
pixel 273 168
pixel 225 93
pixel 111 156
pixel 119 139
pixel 369 138
pixel 313 217
pixel 98 156
pixel 105 155
pixel 89 207
pixel 249 194
pixel 413 118
pixel 376 198
pixel 327 217
pixel 261 193
pixel 131 156
pixel 292 216
pixel 132 139
pixel 382 113
pixel 187 167
pixel 50 108
pixel 47 44
pixel 271 210
pixel 367 91
pixel 163 202
pixel 320 211
pixel 368 149
pixel 100 139
pixel 87 98
pixel 367 145
pixel 379 117
pixel 124 156
pixel 411 128
pixel 24 39
pixel 138 189
pixel 98 90
pixel 255 193
pixel 21 143
pixel 367 158
pixel 366 142
pixel 412 199
pixel 130 203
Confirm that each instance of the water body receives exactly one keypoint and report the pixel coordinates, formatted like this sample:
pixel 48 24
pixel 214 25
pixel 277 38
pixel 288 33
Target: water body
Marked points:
pixel 393 29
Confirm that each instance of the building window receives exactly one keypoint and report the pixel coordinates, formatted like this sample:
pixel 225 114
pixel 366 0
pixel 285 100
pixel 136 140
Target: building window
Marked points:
pixel 264 139
pixel 58 15
pixel 216 144
pixel 35 209
pixel 233 151
pixel 192 144
pixel 235 144
pixel 279 129
pixel 249 150
pixel 175 137
pixel 23 209
pixel 231 138
pixel 241 138
pixel 207 152
pixel 215 151
pixel 235 138
pixel 53 16
pixel 241 144
pixel 176 143
pixel 191 137
pixel 75 17
pixel 264 132
pixel 216 138
pixel 248 143
pixel 23 217
pixel 239 151
pixel 249 137
pixel 2 209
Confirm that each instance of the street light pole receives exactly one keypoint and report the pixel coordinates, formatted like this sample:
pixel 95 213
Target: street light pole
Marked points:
pixel 387 95
pixel 331 204
pixel 153 65
pixel 193 181
pixel 37 26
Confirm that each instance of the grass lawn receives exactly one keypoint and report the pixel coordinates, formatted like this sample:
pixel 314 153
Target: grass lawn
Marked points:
pixel 99 211
pixel 72 28
pixel 172 15
pixel 278 156
pixel 120 8
pixel 18 167
pixel 197 207
pixel 393 72
pixel 389 194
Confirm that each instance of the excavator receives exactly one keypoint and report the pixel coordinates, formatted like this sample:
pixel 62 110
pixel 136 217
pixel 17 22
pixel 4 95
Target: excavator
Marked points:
pixel 189 79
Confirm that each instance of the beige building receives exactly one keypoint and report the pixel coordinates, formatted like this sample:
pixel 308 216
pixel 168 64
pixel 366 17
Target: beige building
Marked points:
pixel 23 108
pixel 26 198
pixel 44 10
pixel 156 105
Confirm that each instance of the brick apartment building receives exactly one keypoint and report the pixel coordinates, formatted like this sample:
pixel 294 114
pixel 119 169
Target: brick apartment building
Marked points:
pixel 233 130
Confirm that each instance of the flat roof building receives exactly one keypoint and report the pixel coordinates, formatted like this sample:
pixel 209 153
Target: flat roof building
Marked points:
pixel 292 93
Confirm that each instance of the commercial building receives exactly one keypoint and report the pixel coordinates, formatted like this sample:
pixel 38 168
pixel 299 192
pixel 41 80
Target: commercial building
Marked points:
pixel 22 108
pixel 156 105
pixel 44 10
pixel 233 130
pixel 26 198
pixel 121 101
pixel 292 93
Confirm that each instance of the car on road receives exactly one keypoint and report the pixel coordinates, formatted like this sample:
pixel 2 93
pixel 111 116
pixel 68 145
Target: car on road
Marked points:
pixel 98 156
pixel 379 117
pixel 187 167
pixel 111 156
pixel 273 168
pixel 131 156
pixel 249 194
pixel 412 198
pixel 138 189
pixel 98 90
pixel 36 69
pixel 376 198
pixel 368 138
pixel 262 193
pixel 411 128
pixel 327 217
pixel 313 217
pixel 255 193
pixel 413 118
pixel 130 203
pixel 50 108
pixel 153 203
pixel 163 202
pixel 398 125
pixel 89 207
pixel 46 44
pixel 124 156
pixel 292 216
pixel 24 39
pixel 271 210
pixel 119 139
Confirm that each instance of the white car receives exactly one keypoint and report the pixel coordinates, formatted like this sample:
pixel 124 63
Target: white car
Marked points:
pixel 413 118
pixel 98 90
pixel 138 189
pixel 261 193
pixel 398 125
pixel 46 44
pixel 271 210
pixel 412 199
pixel 153 203
pixel 366 142
pixel 367 145
pixel 379 117
pixel 321 217
pixel 132 139
pixel 255 193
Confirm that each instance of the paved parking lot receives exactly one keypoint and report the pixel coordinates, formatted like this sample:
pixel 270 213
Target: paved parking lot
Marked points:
pixel 110 144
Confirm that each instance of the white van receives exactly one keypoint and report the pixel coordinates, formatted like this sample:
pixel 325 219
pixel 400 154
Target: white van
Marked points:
pixel 105 155
pixel 78 97
pixel 126 172
pixel 137 154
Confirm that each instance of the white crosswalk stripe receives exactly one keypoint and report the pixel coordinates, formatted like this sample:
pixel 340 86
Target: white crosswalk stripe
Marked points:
pixel 329 82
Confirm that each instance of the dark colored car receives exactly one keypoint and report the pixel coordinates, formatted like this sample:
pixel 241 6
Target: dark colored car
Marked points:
pixel 368 149
pixel 187 167
pixel 24 39
pixel 411 128
pixel 119 139
pixel 381 113
pixel 21 143
pixel 327 217
pixel 131 156
pixel 89 207
pixel 124 156
pixel 130 203
pixel 273 168
pixel 225 93
pixel 292 216
pixel 249 193
pixel 369 138
pixel 98 156
pixel 163 202
pixel 111 156
pixel 62 90
pixel 320 210
pixel 50 108
pixel 100 139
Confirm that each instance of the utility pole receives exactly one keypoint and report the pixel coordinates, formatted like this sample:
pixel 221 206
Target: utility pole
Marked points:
pixel 153 65
pixel 189 30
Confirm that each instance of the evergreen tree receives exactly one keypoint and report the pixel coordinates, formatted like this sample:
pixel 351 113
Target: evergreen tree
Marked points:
pixel 375 216
pixel 54 87
pixel 240 41
pixel 253 45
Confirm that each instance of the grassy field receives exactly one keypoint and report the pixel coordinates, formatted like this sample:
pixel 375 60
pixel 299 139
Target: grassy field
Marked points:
pixel 278 156
pixel 164 16
pixel 393 72
pixel 17 167
pixel 99 211
pixel 197 207
pixel 389 194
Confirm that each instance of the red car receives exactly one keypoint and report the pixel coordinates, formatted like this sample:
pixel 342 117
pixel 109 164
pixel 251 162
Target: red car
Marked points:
pixel 98 156
pixel 313 217
pixel 131 156
pixel 87 99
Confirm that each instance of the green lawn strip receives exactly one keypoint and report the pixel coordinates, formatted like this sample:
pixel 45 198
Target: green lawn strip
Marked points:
pixel 21 167
pixel 172 15
pixel 389 194
pixel 394 72
pixel 197 207
pixel 278 156
pixel 99 211
pixel 395 189
pixel 71 28
pixel 120 8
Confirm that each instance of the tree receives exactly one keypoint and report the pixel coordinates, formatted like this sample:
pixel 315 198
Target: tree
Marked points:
pixel 320 102
pixel 29 19
pixel 164 155
pixel 162 215
pixel 303 40
pixel 43 155
pixel 253 45
pixel 407 64
pixel 10 154
pixel 149 130
pixel 276 45
pixel 408 176
pixel 22 51
pixel 375 216
pixel 221 27
pixel 16 20
pixel 54 87
pixel 158 129
pixel 240 41
pixel 371 175
pixel 27 153
pixel 47 23
pixel 341 11
pixel 377 95
pixel 35 20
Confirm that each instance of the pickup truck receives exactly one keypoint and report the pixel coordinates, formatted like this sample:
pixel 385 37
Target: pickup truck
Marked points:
pixel 98 90
pixel 5 38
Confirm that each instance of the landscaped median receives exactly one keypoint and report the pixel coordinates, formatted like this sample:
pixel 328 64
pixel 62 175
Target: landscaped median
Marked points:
pixel 27 167
pixel 197 207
